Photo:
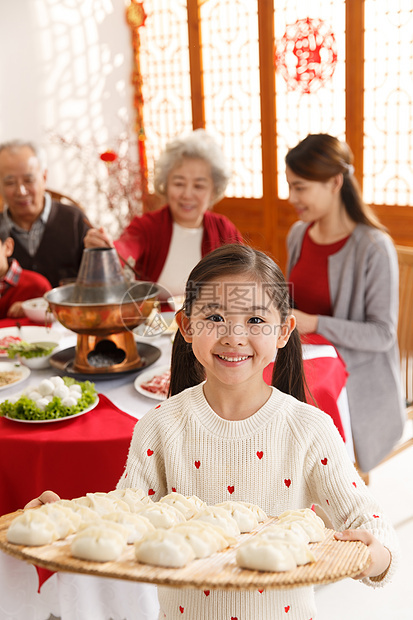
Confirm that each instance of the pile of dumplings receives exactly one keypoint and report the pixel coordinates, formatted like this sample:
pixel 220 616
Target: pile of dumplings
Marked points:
pixel 284 545
pixel 169 533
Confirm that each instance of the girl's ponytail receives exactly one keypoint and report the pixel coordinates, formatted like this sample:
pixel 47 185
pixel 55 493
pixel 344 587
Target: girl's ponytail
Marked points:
pixel 186 371
pixel 288 372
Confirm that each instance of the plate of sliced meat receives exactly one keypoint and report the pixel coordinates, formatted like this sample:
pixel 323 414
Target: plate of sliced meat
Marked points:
pixel 154 383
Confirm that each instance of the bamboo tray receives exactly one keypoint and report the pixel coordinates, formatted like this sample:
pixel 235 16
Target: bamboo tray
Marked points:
pixel 335 560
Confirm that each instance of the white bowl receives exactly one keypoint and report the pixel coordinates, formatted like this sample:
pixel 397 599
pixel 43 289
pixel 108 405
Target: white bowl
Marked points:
pixel 36 310
pixel 40 362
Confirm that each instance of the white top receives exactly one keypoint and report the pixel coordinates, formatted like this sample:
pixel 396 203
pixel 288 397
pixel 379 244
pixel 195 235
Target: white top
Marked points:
pixel 288 455
pixel 184 253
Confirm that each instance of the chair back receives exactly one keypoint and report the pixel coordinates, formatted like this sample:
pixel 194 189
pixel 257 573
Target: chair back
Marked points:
pixel 405 327
pixel 59 197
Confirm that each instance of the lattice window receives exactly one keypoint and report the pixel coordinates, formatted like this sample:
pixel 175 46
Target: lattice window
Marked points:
pixel 322 111
pixel 388 103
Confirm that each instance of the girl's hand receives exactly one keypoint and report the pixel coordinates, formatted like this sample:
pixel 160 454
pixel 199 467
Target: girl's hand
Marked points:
pixel 97 238
pixel 306 323
pixel 380 555
pixel 47 497
pixel 16 310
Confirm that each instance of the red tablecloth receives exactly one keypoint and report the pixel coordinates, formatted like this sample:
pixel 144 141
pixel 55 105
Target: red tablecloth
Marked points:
pixel 72 457
pixel 326 377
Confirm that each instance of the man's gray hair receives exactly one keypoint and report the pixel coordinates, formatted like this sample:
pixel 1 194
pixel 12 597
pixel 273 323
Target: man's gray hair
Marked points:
pixel 196 145
pixel 38 151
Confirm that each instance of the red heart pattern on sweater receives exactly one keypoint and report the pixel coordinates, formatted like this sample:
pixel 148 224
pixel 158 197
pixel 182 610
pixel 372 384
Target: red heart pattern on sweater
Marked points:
pixel 376 516
pixel 260 591
pixel 287 482
pixel 354 485
pixel 260 454
pixel 157 407
pixel 173 490
pixel 197 464
pixel 231 490
pixel 206 592
pixel 324 461
pixel 151 492
pixel 181 609
pixel 287 609
pixel 234 618
pixel 149 452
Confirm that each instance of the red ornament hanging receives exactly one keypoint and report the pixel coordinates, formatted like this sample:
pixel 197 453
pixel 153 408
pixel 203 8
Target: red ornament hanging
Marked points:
pixel 306 56
pixel 108 156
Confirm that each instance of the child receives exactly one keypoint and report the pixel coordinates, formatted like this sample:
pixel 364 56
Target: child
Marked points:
pixel 234 437
pixel 17 284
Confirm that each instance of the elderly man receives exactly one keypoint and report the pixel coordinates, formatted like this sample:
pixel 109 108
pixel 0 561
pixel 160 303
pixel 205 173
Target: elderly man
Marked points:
pixel 48 236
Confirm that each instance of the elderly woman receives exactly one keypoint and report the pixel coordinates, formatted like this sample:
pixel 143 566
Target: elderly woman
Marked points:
pixel 192 175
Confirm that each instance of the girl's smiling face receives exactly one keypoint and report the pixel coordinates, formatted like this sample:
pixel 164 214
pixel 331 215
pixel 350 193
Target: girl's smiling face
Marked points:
pixel 235 329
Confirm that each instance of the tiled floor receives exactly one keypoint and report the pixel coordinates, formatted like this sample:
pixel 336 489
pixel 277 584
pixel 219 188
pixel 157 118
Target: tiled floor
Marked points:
pixel 392 485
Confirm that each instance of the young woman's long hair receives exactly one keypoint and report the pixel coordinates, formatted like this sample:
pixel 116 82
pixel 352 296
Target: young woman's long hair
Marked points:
pixel 318 158
pixel 228 260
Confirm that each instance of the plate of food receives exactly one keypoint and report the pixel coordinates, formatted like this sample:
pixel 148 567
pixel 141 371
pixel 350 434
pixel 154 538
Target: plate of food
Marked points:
pixel 12 373
pixel 154 383
pixel 51 400
pixel 27 333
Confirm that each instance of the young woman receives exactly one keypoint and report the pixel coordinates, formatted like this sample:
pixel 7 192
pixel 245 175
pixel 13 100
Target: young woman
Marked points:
pixel 192 175
pixel 343 274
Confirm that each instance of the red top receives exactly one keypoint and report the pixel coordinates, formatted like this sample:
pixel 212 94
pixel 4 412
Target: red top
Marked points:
pixel 309 277
pixel 147 239
pixel 28 286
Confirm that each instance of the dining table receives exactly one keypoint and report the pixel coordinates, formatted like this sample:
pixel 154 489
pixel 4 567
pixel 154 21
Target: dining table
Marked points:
pixel 87 454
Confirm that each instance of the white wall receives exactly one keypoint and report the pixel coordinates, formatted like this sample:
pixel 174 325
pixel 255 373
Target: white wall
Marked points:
pixel 65 69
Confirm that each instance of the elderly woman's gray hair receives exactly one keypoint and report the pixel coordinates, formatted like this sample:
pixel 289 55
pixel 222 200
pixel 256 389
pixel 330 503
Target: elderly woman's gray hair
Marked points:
pixel 38 151
pixel 196 145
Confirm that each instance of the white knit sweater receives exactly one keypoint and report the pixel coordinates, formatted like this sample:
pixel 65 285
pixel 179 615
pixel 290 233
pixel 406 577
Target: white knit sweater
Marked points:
pixel 287 455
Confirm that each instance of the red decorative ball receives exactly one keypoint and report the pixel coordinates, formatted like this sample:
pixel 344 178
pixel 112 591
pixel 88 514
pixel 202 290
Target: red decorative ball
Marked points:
pixel 306 56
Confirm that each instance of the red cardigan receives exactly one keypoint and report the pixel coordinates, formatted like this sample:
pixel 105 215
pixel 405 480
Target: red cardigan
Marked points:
pixel 148 237
pixel 29 286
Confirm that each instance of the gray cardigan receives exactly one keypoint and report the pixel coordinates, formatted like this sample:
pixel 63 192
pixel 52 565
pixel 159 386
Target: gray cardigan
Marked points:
pixel 364 288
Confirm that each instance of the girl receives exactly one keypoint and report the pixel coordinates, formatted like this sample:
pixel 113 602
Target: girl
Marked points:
pixel 343 272
pixel 225 434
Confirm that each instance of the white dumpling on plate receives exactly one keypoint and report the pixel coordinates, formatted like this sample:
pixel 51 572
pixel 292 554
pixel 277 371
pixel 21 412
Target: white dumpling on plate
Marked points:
pixel 102 503
pixel 189 506
pixel 306 519
pixel 32 528
pixel 162 515
pixel 219 517
pixel 298 547
pixel 135 498
pixel 66 521
pixel 137 525
pixel 87 515
pixel 259 554
pixel 98 543
pixel 204 538
pixel 260 514
pixel 244 516
pixel 164 548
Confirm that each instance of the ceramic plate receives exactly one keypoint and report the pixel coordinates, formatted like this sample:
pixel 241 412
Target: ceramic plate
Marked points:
pixel 30 333
pixel 22 371
pixel 147 376
pixel 68 417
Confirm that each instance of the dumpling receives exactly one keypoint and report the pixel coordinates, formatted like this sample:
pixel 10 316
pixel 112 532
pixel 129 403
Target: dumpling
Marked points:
pixel 260 514
pixel 136 525
pixel 204 538
pixel 102 503
pixel 307 520
pixel 164 548
pixel 135 498
pixel 243 515
pixel 66 521
pixel 162 515
pixel 219 517
pixel 32 528
pixel 87 515
pixel 298 547
pixel 189 506
pixel 258 554
pixel 98 543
